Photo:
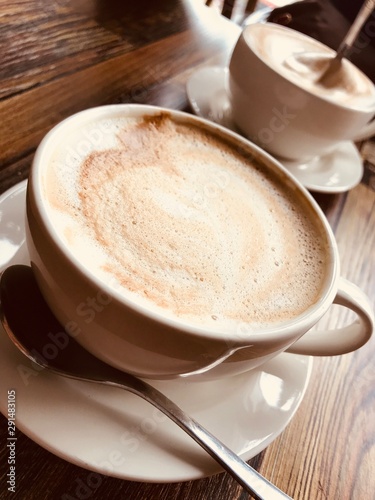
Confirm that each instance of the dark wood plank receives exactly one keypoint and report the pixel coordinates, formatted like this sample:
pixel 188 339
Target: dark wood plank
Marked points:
pixel 39 45
pixel 27 116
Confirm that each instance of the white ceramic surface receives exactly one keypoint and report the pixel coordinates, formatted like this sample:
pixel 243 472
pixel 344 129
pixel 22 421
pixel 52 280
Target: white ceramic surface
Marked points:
pixel 115 433
pixel 334 172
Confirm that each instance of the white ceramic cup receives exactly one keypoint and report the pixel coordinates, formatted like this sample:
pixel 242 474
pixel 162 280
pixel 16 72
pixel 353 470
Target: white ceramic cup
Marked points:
pixel 141 341
pixel 284 117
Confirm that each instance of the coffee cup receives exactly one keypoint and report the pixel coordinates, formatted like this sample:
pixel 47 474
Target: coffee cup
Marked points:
pixel 169 246
pixel 280 101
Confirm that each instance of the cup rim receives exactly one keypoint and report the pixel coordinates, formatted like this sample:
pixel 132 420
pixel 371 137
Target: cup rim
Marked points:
pixel 284 77
pixel 287 327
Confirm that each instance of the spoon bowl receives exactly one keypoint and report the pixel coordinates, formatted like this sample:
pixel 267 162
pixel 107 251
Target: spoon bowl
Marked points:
pixel 36 328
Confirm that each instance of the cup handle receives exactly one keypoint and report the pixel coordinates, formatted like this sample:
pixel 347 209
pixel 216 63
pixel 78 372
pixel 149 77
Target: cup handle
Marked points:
pixel 341 340
pixel 366 132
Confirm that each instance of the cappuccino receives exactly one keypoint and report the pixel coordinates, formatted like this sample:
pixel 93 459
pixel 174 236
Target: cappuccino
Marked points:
pixel 181 221
pixel 303 60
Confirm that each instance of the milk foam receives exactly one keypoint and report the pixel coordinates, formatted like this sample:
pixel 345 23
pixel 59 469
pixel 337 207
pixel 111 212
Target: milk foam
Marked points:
pixel 180 221
pixel 303 60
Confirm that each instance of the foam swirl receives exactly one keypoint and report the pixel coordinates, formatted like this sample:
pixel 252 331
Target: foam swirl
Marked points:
pixel 183 222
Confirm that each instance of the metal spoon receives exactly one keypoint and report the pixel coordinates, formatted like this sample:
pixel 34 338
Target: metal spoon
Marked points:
pixel 30 323
pixel 347 43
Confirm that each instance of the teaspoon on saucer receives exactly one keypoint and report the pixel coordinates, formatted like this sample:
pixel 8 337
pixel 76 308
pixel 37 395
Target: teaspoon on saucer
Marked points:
pixel 32 331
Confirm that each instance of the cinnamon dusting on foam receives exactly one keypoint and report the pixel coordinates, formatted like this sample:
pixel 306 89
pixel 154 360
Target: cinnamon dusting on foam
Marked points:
pixel 184 222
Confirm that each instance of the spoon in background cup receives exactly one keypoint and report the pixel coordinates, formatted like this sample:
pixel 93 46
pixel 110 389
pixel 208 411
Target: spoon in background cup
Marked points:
pixel 31 331
pixel 327 79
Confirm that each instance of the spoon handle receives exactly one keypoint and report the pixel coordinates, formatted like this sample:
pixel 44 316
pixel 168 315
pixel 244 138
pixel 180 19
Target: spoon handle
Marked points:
pixel 355 28
pixel 31 331
pixel 249 478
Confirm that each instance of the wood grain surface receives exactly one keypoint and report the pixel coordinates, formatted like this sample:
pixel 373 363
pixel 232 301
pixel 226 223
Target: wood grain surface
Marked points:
pixel 63 56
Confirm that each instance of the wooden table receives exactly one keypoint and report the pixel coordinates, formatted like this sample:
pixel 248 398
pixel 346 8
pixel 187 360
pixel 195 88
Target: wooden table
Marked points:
pixel 64 56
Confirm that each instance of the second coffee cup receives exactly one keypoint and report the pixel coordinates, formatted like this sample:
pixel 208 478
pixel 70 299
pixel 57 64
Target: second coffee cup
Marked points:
pixel 278 102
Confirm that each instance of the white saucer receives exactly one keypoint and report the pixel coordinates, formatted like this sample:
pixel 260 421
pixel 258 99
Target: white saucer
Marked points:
pixel 116 433
pixel 336 172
